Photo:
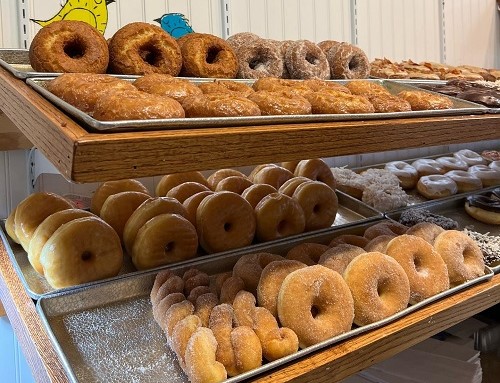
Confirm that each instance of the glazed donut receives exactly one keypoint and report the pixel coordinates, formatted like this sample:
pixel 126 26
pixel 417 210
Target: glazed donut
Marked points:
pixel 288 188
pixel 337 258
pixel 271 174
pixel 170 181
pixel 484 208
pixel 387 103
pixel 465 181
pixel 315 169
pixel 254 194
pixel 165 85
pixel 219 105
pixel 225 221
pixel 185 190
pixel 308 253
pixel 424 267
pixel 495 165
pixel 278 216
pixel 379 244
pixel 69 46
pixel 140 48
pixel 428 231
pixel 259 59
pixel 118 208
pixel 427 167
pixel 452 163
pixel 108 188
pixel 280 103
pixel 31 212
pixel 470 157
pixel 385 228
pixel 304 59
pixel 319 204
pixel 365 88
pixel 205 55
pixel 236 184
pixel 147 210
pixel 249 268
pixel 347 62
pixel 10 226
pixel 226 86
pixel 273 84
pixel 407 174
pixel 164 239
pixel 316 303
pixel 436 186
pixel 461 254
pixel 488 176
pixel 191 204
pixel 97 254
pixel 220 174
pixel 422 100
pixel 317 85
pixel 349 239
pixel 379 287
pixel 334 102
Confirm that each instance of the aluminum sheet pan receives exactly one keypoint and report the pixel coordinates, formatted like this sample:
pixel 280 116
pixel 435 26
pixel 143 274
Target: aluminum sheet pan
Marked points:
pixel 453 208
pixel 106 332
pixel 460 107
pixel 17 62
pixel 350 212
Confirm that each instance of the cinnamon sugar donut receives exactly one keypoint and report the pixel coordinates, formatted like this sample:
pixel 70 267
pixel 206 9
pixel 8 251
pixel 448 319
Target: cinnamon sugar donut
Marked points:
pixel 337 258
pixel 139 48
pixel 308 253
pixel 242 38
pixel 220 174
pixel 225 221
pixel 283 103
pixel 350 239
pixel 273 175
pixel 465 181
pixel 304 59
pixel 259 59
pixel 424 267
pixel 347 62
pixel 181 334
pixel 333 102
pixel 69 46
pixel 166 85
pixel 230 288
pixel 185 190
pixel 407 174
pixel 236 184
pixel 385 228
pixel 108 188
pixel 326 45
pixel 428 231
pixel 249 268
pixel 191 204
pixel 379 243
pixel 226 86
pixel 254 193
pixel 436 186
pixel 315 169
pixel 219 105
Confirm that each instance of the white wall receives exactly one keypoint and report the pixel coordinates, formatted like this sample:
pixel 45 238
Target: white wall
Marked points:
pixel 9 24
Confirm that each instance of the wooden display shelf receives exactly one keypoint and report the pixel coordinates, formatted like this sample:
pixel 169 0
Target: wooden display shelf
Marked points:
pixel 82 156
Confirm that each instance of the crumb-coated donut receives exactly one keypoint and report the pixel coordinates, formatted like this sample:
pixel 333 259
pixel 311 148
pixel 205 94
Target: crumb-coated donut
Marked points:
pixel 333 102
pixel 425 230
pixel 225 221
pixel 166 85
pixel 278 216
pixel 304 59
pixel 69 46
pixel 280 103
pixel 249 268
pixel 379 243
pixel 170 181
pixel 259 59
pixel 242 38
pixel 254 193
pixel 185 190
pixel 488 176
pixel 470 157
pixel 424 267
pixel 308 253
pixel 236 184
pixel 97 254
pixel 387 103
pixel 219 105
pixel 136 105
pixel 365 87
pixel 385 228
pixel 205 55
pixel 149 209
pixel 271 174
pixel 10 225
pixel 338 257
pixel 436 186
pixel 108 188
pixel 379 287
pixel 326 45
pixel 319 204
pixel 316 303
pixel 407 174
pixel 226 86
pixel 31 212
pixel 452 163
pixel 315 169
pixel 461 254
pixel 350 239
pixel 191 204
pixel 421 100
pixel 288 188
pixel 217 176
pixel 164 239
pixel 139 48
pixel 427 166
pixel 347 62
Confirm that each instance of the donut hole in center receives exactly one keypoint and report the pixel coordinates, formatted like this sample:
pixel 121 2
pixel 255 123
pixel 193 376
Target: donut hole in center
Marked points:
pixel 418 264
pixel 314 311
pixel 354 63
pixel 256 64
pixel 382 287
pixel 316 208
pixel 150 54
pixel 86 256
pixel 74 49
pixel 282 227
pixel 311 59
pixel 228 226
pixel 169 247
pixel 212 54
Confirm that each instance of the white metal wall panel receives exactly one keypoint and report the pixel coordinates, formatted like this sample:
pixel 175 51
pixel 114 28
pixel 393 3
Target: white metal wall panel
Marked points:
pixel 14 180
pixel 9 25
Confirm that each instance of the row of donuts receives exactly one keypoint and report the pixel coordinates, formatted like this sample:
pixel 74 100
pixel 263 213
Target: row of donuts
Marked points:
pixel 312 294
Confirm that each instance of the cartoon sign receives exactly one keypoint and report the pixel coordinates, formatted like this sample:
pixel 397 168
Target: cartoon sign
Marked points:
pixel 176 24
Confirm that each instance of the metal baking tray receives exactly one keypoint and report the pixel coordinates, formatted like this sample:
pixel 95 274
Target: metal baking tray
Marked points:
pixel 106 332
pixel 453 207
pixel 350 212
pixel 460 107
pixel 17 62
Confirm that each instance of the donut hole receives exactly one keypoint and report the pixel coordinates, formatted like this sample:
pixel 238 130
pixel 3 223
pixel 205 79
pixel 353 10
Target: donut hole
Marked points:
pixel 316 209
pixel 150 54
pixel 256 64
pixel 282 226
pixel 418 264
pixel 382 287
pixel 86 256
pixel 74 49
pixel 311 59
pixel 354 63
pixel 169 247
pixel 212 54
pixel 228 226
pixel 314 311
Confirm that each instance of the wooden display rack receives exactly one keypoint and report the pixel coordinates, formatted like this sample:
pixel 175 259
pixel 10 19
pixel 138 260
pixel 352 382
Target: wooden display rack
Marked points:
pixel 86 157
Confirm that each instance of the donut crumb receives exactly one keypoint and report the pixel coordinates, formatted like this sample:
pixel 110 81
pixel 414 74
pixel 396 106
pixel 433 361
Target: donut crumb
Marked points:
pixel 411 217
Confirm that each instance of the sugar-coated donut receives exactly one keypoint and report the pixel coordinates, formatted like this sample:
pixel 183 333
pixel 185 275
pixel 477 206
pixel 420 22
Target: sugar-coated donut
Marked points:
pixel 488 176
pixel 203 306
pixel 181 334
pixel 164 239
pixel 316 303
pixel 379 287
pixel 166 85
pixel 379 243
pixel 407 174
pixel 278 216
pixel 108 188
pixel 425 230
pixel 385 228
pixel 69 46
pixel 461 254
pixel 349 182
pixel 170 181
pixel 350 239
pixel 249 268
pixel 288 188
pixel 347 62
pixel 470 157
pixel 97 254
pixel 436 186
pixel 219 105
pixel 271 174
pixel 452 163
pixel 427 166
pixel 485 208
pixel 236 184
pixel 10 226
pixel 225 221
pixel 185 190
pixel 217 176
pixel 139 48
pixel 308 253
pixel 465 181
pixel 254 193
pixel 31 212
pixel 259 59
pixel 337 258
pixel 315 169
pixel 230 288
pixel 304 59
pixel 226 86
pixel 424 267
pixel 280 103
pixel 191 204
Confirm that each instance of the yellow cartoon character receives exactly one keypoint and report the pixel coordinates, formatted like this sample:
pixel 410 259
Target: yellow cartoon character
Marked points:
pixel 93 12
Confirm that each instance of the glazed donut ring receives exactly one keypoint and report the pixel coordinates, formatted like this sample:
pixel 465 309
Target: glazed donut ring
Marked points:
pixel 337 258
pixel 283 103
pixel 452 163
pixel 387 103
pixel 495 165
pixel 316 303
pixel 428 231
pixel 217 176
pixel 436 186
pixel 69 46
pixel 488 176
pixel 304 60
pixel 205 55
pixel 288 188
pixel 225 221
pixel 335 102
pixel 191 205
pixel 139 48
pixel 10 226
pixel 461 254
pixel 96 255
pixel 254 194
pixel 427 167
pixel 317 170
pixel 379 287
pixel 470 157
pixel 170 181
pixel 249 268
pixel 219 105
pixel 108 188
pixel 273 175
pixel 424 267
pixel 226 86
pixel 347 62
pixel 465 181
pixel 185 190
pixel 308 253
pixel 165 85
pixel 235 184
pixel 365 88
pixel 407 174
pixel 259 59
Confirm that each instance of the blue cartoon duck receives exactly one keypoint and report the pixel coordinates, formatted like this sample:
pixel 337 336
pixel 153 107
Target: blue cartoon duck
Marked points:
pixel 175 24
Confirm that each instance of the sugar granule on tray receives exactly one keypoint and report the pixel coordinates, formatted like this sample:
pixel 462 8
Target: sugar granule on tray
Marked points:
pixel 489 245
